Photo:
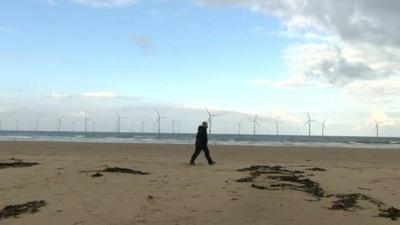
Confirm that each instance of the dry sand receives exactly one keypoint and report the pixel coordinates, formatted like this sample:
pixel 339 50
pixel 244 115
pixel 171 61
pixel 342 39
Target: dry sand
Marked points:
pixel 175 193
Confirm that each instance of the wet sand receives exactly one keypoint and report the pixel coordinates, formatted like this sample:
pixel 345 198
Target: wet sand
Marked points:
pixel 175 193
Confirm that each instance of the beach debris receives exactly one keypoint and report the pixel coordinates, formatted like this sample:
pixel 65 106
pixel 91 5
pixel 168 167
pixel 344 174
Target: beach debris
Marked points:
pixel 259 187
pixel 265 177
pixel 392 213
pixel 123 170
pixel 317 169
pixel 17 164
pixel 16 210
pixel 283 179
pixel 150 197
pixel 245 179
pixel 345 202
pixel 97 174
pixel 349 201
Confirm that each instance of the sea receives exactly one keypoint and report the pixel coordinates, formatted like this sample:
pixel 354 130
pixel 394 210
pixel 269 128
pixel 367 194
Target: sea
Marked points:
pixel 214 139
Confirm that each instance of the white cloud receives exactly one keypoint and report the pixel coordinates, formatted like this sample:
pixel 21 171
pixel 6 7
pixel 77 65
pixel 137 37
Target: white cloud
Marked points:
pixel 383 118
pixel 94 3
pixel 92 95
pixel 105 3
pixel 100 94
pixel 341 41
pixel 283 115
pixel 58 95
pixel 294 82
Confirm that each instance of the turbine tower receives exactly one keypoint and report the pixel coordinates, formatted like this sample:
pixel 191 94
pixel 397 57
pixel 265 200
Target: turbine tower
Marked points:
pixel 255 124
pixel 17 125
pixel 159 117
pixel 118 123
pixel 132 127
pixel 277 123
pixel 173 125
pixel 309 121
pixel 86 120
pixel 377 127
pixel 1 125
pixel 240 127
pixel 59 120
pixel 37 125
pixel 142 130
pixel 210 119
pixel 323 127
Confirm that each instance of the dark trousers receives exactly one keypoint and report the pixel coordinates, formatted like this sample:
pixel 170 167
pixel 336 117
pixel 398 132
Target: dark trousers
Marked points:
pixel 197 152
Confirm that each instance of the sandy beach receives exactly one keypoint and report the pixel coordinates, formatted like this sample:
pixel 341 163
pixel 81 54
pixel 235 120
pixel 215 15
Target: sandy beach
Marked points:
pixel 175 193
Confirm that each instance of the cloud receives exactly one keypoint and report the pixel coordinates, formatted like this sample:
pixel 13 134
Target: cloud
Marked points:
pixel 294 82
pixel 94 3
pixel 283 115
pixel 48 2
pixel 105 3
pixel 383 118
pixel 144 43
pixel 340 42
pixel 58 95
pixel 93 95
pixel 108 95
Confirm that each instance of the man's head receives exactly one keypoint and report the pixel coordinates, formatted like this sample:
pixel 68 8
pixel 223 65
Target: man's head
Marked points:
pixel 204 124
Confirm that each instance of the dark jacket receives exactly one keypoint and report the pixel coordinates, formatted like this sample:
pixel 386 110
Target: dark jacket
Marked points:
pixel 201 137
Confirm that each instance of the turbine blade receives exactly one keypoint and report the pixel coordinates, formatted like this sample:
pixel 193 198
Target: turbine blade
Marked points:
pixel 207 110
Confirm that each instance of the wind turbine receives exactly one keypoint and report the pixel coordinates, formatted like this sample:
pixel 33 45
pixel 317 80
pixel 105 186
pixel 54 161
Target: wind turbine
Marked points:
pixel 59 120
pixel 323 127
pixel 17 125
pixel 210 119
pixel 142 127
pixel 173 125
pixel 239 127
pixel 1 125
pixel 37 125
pixel 255 124
pixel 309 121
pixel 377 126
pixel 277 123
pixel 86 123
pixel 159 117
pixel 118 123
pixel 132 127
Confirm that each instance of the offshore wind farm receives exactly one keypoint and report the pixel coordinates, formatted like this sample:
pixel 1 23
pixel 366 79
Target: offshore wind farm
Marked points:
pixel 171 134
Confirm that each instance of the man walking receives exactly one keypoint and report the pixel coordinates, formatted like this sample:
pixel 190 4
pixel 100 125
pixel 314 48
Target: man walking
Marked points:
pixel 201 144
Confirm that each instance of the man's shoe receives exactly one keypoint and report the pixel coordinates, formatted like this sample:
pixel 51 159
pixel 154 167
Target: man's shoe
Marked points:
pixel 192 164
pixel 212 163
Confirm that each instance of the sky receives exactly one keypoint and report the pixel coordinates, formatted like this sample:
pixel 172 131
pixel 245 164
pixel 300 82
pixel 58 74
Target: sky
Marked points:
pixel 278 59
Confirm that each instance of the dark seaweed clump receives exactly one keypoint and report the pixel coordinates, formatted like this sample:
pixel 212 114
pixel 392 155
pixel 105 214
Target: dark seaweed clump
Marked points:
pixel 16 210
pixel 123 170
pixel 349 201
pixel 317 169
pixel 284 179
pixel 392 213
pixel 17 164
